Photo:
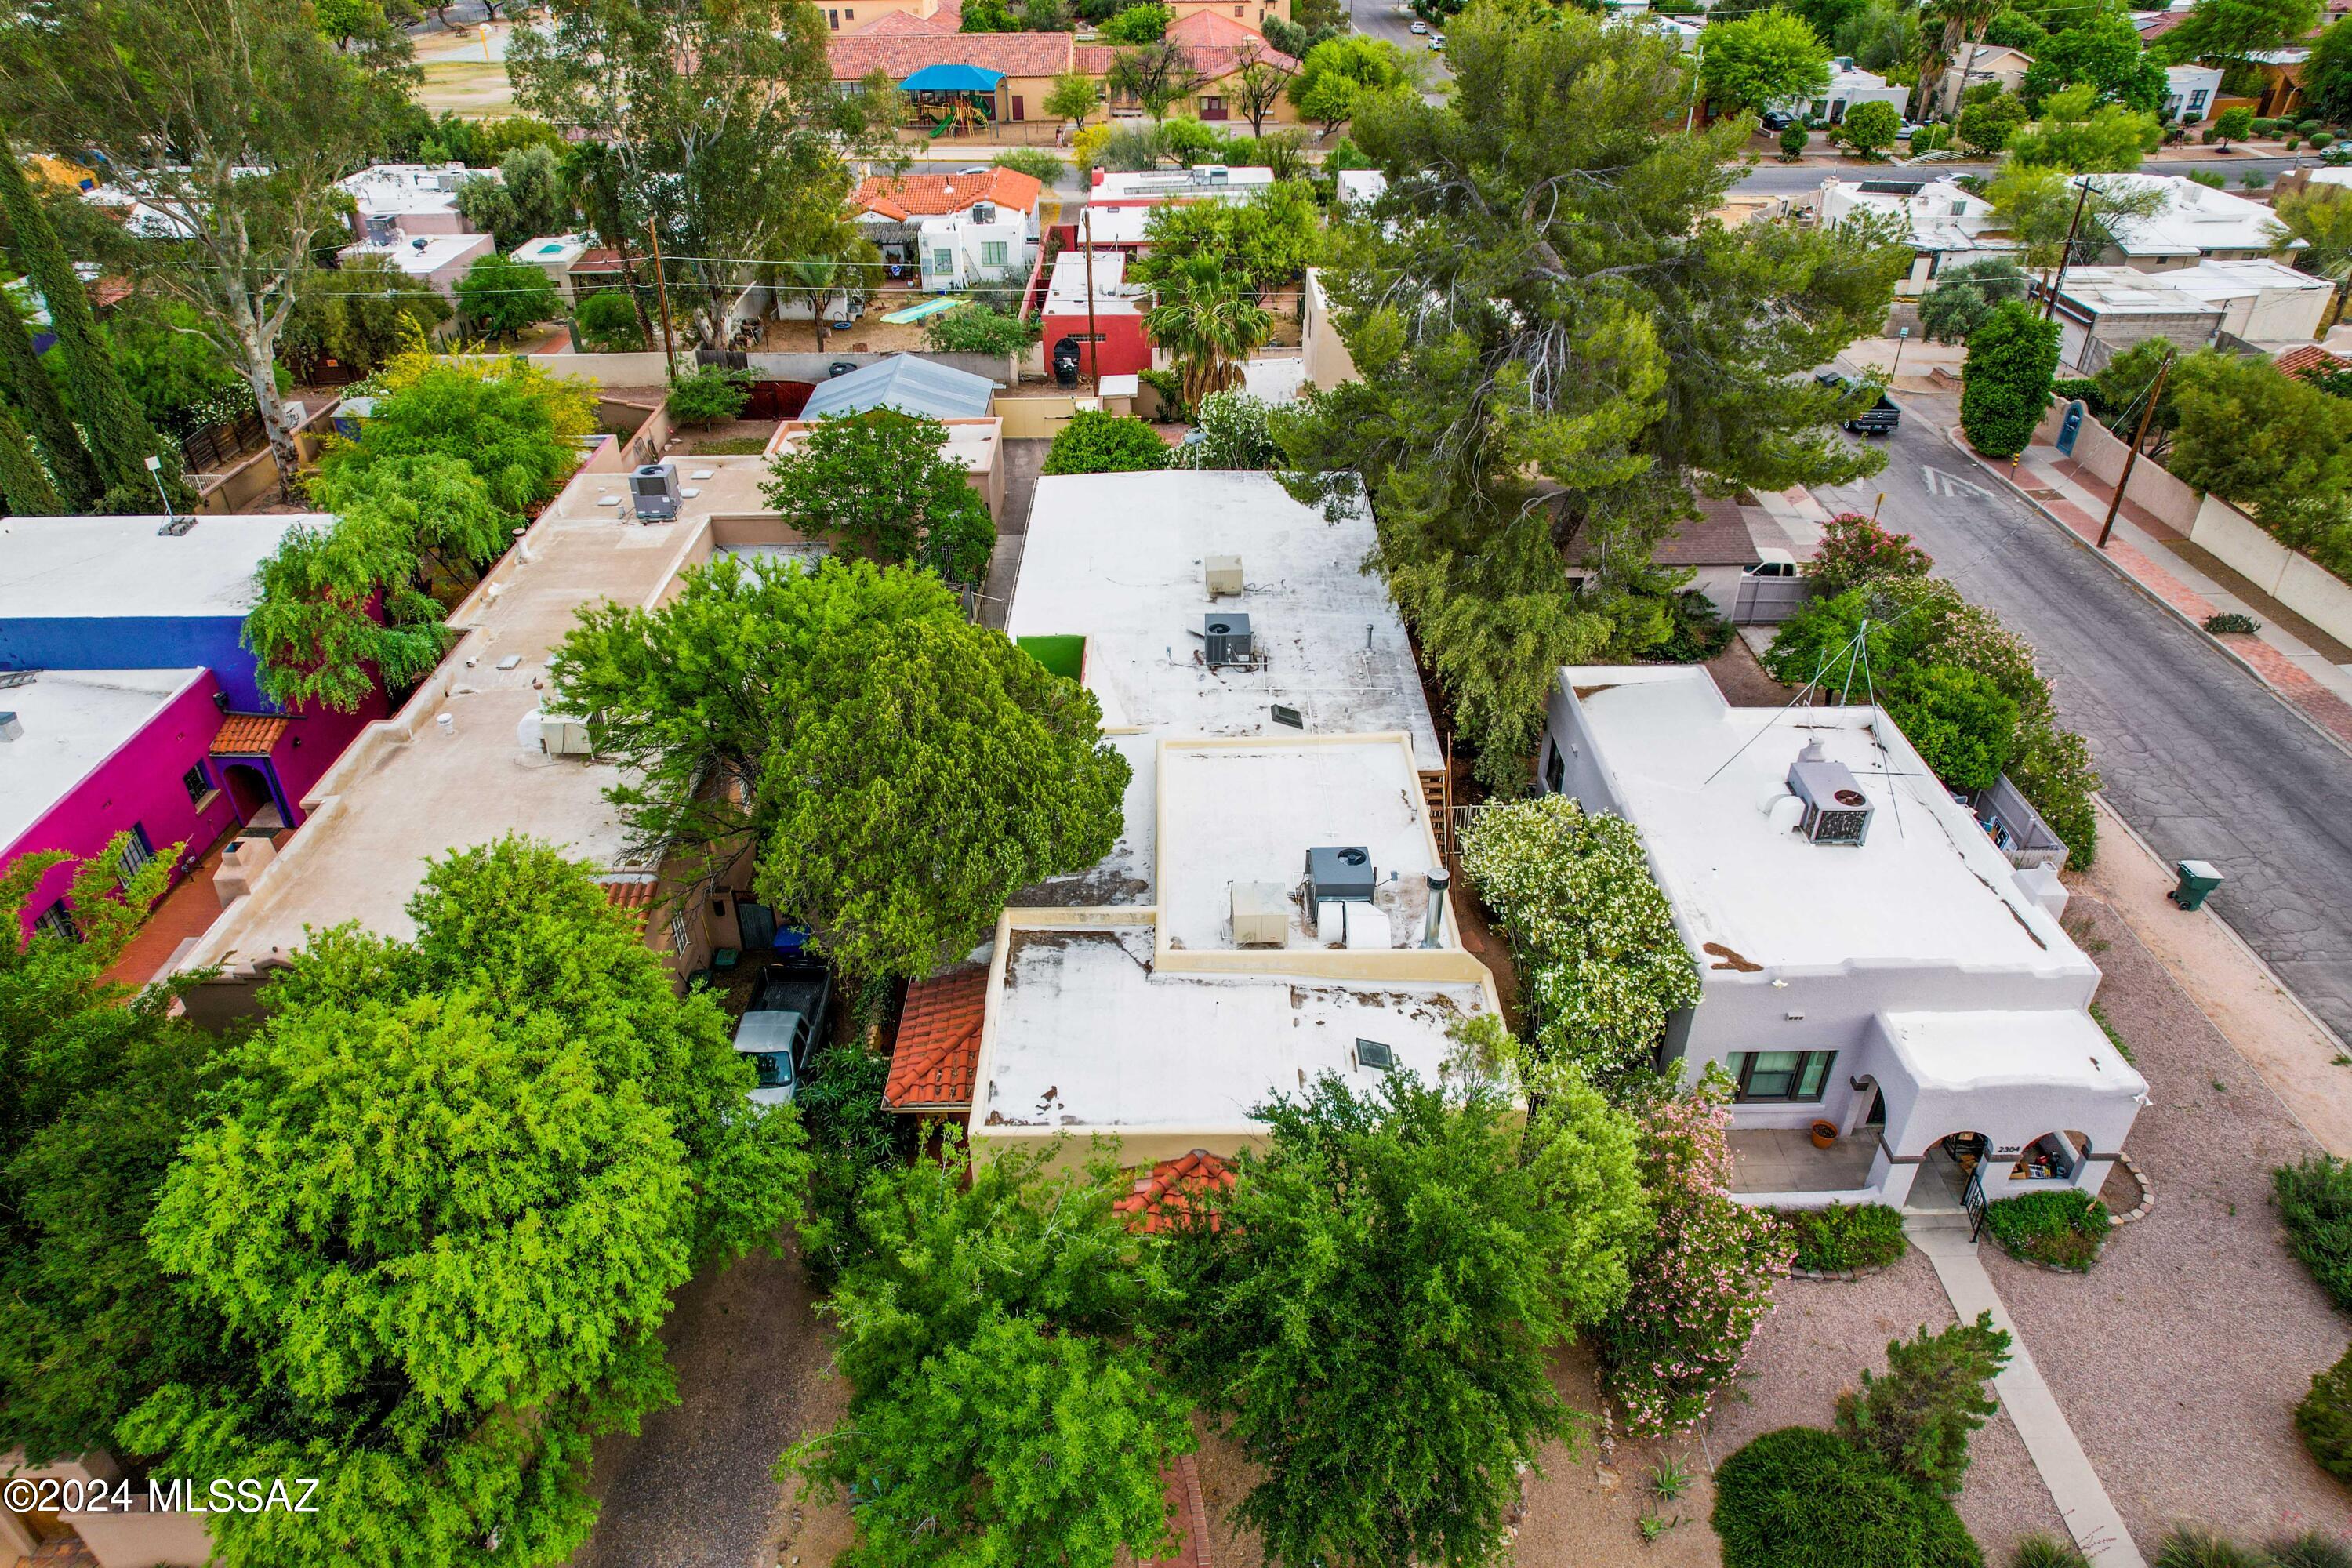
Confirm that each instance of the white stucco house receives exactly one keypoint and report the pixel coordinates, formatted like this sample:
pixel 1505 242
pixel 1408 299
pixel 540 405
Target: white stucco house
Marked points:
pixel 2189 92
pixel 1869 959
pixel 949 231
pixel 1849 85
pixel 1949 224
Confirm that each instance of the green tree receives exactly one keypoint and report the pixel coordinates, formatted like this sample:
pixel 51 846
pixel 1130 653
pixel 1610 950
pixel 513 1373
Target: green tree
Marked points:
pixel 2078 132
pixel 1208 327
pixel 1075 96
pixel 989 1331
pixel 2327 74
pixel 1231 430
pixel 853 1135
pixel 174 371
pixel 1143 24
pixel 607 321
pixel 1257 84
pixel 1880 36
pixel 2234 125
pixel 1959 722
pixel 748 163
pixel 26 387
pixel 1373 1317
pixel 340 608
pixel 2276 446
pixel 2321 218
pixel 511 422
pixel 1782 1497
pixel 771 712
pixel 1265 242
pixel 361 315
pixel 113 427
pixel 2005 383
pixel 973 328
pixel 1986 128
pixel 1339 71
pixel 1096 443
pixel 1538 386
pixel 24 487
pixel 988 16
pixel 1762 60
pixel 2102 52
pixel 2231 32
pixel 1870 128
pixel 1920 1415
pixel 881 484
pixel 98 1083
pixel 480 1295
pixel 242 84
pixel 705 398
pixel 453 524
pixel 1965 295
pixel 499 297
pixel 529 197
pixel 1156 75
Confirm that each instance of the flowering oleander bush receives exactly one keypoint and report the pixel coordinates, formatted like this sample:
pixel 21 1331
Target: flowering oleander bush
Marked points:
pixel 1704 1286
pixel 1594 939
pixel 1855 549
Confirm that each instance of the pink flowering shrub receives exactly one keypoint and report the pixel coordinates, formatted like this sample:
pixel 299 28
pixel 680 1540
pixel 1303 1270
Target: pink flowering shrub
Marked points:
pixel 1855 550
pixel 1703 1288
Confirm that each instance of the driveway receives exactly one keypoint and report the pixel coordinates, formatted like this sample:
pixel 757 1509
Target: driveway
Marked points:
pixel 2198 755
pixel 1022 461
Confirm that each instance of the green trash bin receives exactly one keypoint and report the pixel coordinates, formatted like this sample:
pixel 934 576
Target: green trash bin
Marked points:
pixel 2198 881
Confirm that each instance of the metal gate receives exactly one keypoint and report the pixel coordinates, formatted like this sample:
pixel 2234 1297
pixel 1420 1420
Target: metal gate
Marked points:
pixel 1769 601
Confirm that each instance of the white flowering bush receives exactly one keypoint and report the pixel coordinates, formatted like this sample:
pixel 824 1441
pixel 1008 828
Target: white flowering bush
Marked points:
pixel 1704 1285
pixel 1597 948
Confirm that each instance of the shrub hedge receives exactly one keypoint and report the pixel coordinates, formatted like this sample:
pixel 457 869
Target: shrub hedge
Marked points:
pixel 1866 1236
pixel 2315 1203
pixel 1803 1498
pixel 2053 1227
pixel 2324 1419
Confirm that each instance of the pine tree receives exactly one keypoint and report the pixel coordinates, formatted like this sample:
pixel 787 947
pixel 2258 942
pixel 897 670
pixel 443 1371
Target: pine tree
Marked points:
pixel 119 437
pixel 27 388
pixel 1919 1417
pixel 24 489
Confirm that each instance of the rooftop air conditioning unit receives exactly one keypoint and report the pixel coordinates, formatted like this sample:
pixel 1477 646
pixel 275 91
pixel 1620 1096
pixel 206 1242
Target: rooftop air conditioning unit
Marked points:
pixel 1339 872
pixel 654 491
pixel 564 736
pixel 1261 915
pixel 1223 575
pixel 379 230
pixel 1228 636
pixel 1836 811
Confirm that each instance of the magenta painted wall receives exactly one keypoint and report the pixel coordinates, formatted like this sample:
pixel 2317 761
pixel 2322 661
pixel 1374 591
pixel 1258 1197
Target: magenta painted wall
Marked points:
pixel 140 783
pixel 313 740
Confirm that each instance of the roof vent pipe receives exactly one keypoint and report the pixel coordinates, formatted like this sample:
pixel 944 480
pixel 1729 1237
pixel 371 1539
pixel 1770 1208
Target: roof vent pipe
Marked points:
pixel 1814 752
pixel 1435 925
pixel 11 726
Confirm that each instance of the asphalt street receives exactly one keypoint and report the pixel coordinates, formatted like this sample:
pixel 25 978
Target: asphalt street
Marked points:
pixel 1387 19
pixel 1771 177
pixel 2197 754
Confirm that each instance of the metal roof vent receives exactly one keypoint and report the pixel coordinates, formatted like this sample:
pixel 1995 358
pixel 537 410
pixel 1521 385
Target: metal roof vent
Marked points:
pixel 11 726
pixel 1373 1054
pixel 1343 872
pixel 1836 811
pixel 1228 634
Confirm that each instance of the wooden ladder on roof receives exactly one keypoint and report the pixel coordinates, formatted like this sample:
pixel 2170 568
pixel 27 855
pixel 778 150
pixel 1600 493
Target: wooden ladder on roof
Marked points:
pixel 1437 794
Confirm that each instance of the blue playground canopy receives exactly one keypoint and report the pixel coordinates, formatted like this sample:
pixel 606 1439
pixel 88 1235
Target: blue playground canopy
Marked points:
pixel 953 78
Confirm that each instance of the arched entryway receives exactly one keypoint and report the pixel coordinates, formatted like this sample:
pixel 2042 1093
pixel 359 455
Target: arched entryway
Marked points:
pixel 251 792
pixel 1946 1170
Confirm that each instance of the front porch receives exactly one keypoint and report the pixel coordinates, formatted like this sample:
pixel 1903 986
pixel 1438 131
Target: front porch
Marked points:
pixel 1774 1160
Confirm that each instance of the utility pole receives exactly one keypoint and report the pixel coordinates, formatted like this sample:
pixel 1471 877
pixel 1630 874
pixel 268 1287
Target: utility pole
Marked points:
pixel 2050 306
pixel 661 288
pixel 1094 338
pixel 2116 504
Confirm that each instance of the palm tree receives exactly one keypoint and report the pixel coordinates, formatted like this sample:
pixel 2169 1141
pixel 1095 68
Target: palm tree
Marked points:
pixel 1946 24
pixel 1207 325
pixel 2321 218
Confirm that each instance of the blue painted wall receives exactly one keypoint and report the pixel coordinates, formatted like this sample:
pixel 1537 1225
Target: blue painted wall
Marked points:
pixel 137 642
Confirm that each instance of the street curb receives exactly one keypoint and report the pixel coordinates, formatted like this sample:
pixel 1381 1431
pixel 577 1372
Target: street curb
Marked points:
pixel 1952 439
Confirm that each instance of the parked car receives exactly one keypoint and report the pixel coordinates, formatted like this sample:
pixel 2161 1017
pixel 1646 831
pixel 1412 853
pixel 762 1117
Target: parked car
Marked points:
pixel 1436 42
pixel 783 1027
pixel 1881 420
pixel 1774 121
pixel 1772 561
pixel 1419 28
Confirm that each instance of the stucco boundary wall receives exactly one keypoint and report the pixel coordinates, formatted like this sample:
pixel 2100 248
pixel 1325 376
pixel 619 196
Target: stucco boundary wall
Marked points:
pixel 650 368
pixel 2291 577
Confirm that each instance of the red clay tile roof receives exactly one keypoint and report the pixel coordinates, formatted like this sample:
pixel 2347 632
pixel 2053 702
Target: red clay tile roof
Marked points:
pixel 938 1051
pixel 247 735
pixel 906 24
pixel 633 897
pixel 938 193
pixel 1174 1191
pixel 1212 45
pixel 2308 357
pixel 898 56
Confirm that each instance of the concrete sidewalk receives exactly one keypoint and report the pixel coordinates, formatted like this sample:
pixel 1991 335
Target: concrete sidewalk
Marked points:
pixel 2082 1502
pixel 2302 669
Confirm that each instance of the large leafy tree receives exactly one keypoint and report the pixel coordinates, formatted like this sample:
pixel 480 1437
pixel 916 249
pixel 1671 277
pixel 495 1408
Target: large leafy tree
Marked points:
pixel 1264 242
pixel 114 426
pixel 2327 74
pixel 1339 72
pixel 98 1083
pixel 1965 295
pixel 2321 218
pixel 882 484
pixel 2275 445
pixel 362 314
pixel 1761 59
pixel 992 1331
pixel 513 423
pixel 2077 132
pixel 1558 345
pixel 719 125
pixel 500 296
pixel 2012 359
pixel 28 389
pixel 231 120
pixel 529 198
pixel 1372 1317
pixel 897 770
pixel 451 1183
pixel 340 610
pixel 2231 32
pixel 2102 52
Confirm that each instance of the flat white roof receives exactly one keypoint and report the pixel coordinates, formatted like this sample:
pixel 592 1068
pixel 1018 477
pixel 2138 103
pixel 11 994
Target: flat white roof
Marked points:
pixel 424 254
pixel 2194 218
pixel 404 791
pixel 547 249
pixel 2126 290
pixel 73 721
pixel 72 567
pixel 1088 1034
pixel 2049 1047
pixel 1250 814
pixel 1066 291
pixel 401 188
pixel 1925 889
pixel 1179 184
pixel 1124 878
pixel 1119 559
pixel 1111 225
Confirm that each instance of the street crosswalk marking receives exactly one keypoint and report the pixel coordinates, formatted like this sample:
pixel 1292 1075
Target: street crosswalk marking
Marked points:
pixel 1940 483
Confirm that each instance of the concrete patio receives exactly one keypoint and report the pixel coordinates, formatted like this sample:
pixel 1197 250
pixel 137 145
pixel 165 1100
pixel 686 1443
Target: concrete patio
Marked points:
pixel 1776 1160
